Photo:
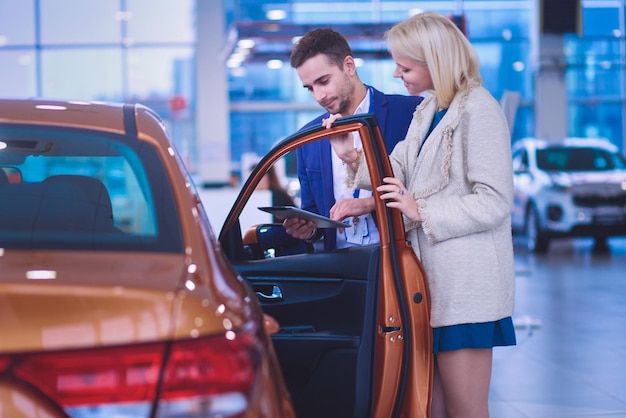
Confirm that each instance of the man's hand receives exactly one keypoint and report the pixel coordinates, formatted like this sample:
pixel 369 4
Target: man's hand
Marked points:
pixel 299 228
pixel 343 144
pixel 344 208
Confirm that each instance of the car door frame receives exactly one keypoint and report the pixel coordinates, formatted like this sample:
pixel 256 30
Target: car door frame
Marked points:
pixel 402 353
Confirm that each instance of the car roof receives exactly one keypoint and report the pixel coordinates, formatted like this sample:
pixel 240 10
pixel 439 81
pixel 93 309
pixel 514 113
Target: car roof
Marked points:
pixel 129 119
pixel 569 142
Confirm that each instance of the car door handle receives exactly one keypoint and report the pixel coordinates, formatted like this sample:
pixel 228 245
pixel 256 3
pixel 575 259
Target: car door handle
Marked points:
pixel 268 293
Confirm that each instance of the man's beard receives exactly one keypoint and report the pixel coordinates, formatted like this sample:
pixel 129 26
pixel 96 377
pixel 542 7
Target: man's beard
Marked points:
pixel 341 107
pixel 343 98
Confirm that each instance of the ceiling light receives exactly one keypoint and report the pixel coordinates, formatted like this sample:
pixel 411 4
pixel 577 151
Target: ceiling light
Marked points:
pixel 276 14
pixel 246 43
pixel 242 51
pixel 233 63
pixel 274 64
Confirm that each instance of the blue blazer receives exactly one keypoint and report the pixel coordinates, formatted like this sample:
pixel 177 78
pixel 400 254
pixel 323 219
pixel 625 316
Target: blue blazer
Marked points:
pixel 394 114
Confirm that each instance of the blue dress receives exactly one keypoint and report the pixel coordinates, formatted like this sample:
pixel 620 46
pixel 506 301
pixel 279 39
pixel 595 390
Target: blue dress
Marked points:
pixel 480 335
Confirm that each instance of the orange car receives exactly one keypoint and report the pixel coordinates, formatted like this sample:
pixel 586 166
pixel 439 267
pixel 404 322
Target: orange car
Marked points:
pixel 118 301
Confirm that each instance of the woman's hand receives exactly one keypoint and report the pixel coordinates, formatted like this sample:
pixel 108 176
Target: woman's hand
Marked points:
pixel 397 196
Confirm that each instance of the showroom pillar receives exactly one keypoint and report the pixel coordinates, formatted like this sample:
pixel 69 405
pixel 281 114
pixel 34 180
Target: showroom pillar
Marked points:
pixel 212 103
pixel 550 92
pixel 555 18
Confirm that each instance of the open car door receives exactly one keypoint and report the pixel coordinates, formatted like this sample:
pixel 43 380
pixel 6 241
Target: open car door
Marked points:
pixel 354 337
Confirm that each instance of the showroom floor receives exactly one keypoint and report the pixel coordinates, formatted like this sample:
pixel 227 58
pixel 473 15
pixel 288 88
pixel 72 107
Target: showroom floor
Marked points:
pixel 570 316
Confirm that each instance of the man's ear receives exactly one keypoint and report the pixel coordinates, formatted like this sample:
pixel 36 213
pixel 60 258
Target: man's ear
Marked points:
pixel 349 65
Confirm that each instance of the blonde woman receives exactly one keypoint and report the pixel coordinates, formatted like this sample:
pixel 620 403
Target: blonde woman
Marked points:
pixel 453 184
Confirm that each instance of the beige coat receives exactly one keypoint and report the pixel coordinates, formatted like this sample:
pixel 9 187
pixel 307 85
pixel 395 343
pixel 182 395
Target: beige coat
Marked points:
pixel 462 182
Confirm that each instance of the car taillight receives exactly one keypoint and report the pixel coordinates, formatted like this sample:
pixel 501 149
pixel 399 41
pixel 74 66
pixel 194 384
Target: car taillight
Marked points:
pixel 199 374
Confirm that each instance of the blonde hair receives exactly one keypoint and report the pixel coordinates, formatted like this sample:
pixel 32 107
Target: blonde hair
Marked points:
pixel 434 40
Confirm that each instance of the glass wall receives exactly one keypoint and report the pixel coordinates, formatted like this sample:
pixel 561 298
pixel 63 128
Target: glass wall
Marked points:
pixel 144 51
pixel 499 30
pixel 595 73
pixel 116 50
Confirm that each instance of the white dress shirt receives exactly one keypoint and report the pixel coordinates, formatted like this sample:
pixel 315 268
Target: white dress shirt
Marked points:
pixel 362 235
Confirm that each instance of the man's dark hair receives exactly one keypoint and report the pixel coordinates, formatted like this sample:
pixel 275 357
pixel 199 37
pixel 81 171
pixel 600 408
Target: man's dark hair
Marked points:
pixel 321 41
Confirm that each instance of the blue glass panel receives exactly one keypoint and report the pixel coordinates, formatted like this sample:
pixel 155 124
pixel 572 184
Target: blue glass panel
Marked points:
pixel 593 81
pixel 597 119
pixel 161 20
pixel 524 125
pixel 257 132
pixel 82 74
pixel 17 22
pixel 262 83
pixel 160 72
pixel 80 22
pixel 600 21
pixel 499 24
pixel 18 66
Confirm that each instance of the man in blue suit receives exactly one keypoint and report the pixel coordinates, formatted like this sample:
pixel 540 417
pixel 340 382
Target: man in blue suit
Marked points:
pixel 325 65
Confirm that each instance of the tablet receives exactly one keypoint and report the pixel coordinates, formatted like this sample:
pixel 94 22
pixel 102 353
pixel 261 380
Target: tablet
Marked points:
pixel 294 212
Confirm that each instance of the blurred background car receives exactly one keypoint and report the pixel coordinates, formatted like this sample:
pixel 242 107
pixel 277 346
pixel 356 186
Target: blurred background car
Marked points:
pixel 575 187
pixel 116 298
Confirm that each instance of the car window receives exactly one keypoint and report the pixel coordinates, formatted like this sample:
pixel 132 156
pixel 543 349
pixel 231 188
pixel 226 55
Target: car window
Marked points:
pixel 93 191
pixel 263 233
pixel 617 161
pixel 578 159
pixel 520 161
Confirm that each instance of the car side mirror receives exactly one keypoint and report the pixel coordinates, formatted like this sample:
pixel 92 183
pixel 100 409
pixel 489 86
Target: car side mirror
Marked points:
pixel 271 240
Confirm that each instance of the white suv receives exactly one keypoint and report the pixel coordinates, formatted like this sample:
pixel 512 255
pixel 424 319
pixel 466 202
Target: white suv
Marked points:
pixel 575 187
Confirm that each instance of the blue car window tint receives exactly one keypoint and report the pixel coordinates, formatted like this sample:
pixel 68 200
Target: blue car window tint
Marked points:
pixel 80 190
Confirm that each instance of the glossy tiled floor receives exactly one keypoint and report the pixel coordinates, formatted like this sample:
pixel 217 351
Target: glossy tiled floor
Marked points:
pixel 570 317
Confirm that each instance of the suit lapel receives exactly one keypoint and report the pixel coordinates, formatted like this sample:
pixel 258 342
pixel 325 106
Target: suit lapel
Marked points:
pixel 381 110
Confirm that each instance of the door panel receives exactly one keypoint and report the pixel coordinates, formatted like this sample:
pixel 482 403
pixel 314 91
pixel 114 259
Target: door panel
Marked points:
pixel 355 339
pixel 327 323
